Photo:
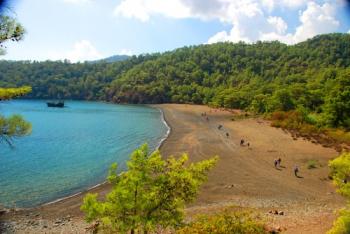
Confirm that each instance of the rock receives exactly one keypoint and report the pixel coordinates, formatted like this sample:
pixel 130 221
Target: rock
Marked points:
pixel 281 213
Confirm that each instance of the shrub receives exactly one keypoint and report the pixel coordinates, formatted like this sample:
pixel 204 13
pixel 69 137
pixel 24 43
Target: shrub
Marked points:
pixel 340 172
pixel 238 222
pixel 342 224
pixel 311 164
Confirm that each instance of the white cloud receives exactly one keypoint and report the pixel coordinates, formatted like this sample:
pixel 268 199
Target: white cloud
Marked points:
pixel 272 4
pixel 349 31
pixel 315 19
pixel 251 20
pixel 143 9
pixel 202 9
pixel 82 51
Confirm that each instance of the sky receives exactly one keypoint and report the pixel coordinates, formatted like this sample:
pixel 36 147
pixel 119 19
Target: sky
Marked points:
pixel 81 30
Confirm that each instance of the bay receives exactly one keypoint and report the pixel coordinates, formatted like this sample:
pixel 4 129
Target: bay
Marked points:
pixel 70 149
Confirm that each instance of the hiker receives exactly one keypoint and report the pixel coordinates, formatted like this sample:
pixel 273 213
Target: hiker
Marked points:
pixel 227 135
pixel 275 163
pixel 279 161
pixel 242 142
pixel 296 170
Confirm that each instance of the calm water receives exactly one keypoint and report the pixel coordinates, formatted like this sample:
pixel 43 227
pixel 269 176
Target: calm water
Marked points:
pixel 70 149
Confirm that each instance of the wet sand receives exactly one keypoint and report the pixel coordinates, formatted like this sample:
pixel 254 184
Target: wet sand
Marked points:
pixel 244 176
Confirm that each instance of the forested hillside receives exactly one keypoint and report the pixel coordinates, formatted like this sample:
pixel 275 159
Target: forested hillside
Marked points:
pixel 312 76
pixel 61 79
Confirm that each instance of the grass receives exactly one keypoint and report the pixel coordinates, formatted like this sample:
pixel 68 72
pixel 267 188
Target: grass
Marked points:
pixel 312 164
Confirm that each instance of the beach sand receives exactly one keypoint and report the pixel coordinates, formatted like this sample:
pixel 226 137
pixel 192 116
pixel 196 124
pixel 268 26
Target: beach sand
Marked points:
pixel 244 176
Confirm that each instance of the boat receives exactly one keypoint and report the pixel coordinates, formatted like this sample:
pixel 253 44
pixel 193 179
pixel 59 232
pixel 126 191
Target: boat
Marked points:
pixel 59 104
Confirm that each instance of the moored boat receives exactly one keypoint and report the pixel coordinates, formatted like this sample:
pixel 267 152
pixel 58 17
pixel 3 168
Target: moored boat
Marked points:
pixel 55 104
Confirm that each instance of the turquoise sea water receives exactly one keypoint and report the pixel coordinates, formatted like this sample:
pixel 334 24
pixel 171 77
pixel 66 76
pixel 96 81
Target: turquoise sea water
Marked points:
pixel 71 149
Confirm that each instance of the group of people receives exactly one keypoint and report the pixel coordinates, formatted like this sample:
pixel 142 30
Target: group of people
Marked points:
pixel 277 164
pixel 226 134
pixel 204 114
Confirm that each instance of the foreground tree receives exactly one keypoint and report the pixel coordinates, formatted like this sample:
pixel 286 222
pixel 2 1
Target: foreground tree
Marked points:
pixel 340 170
pixel 10 30
pixel 13 126
pixel 151 193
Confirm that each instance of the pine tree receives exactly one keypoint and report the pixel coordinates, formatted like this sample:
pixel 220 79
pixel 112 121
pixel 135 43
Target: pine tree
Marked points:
pixel 151 193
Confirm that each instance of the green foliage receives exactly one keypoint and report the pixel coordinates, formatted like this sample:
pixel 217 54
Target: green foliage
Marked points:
pixel 311 164
pixel 10 30
pixel 342 223
pixel 261 77
pixel 225 223
pixel 9 93
pixel 340 171
pixel 151 193
pixel 12 127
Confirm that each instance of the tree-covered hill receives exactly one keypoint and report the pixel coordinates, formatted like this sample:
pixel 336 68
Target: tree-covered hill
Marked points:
pixel 313 76
pixel 61 79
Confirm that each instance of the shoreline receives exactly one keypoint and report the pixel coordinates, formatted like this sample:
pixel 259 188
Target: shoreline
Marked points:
pixel 162 141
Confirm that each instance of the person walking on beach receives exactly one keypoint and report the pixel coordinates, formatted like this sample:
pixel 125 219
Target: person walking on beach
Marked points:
pixel 242 142
pixel 296 170
pixel 227 134
pixel 275 163
pixel 279 160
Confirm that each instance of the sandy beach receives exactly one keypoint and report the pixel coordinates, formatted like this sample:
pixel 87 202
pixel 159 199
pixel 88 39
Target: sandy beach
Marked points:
pixel 244 176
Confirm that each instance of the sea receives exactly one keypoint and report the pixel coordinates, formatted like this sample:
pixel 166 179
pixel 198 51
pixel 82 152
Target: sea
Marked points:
pixel 70 149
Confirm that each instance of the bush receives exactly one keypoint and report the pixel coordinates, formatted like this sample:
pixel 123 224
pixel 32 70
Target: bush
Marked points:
pixel 342 224
pixel 340 172
pixel 311 164
pixel 339 135
pixel 225 223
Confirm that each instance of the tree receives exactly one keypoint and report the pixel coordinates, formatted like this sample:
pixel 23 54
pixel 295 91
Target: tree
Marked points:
pixel 10 30
pixel 337 106
pixel 151 193
pixel 13 126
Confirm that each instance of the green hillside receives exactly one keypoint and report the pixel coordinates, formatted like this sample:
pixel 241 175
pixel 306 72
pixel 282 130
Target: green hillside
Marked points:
pixel 312 76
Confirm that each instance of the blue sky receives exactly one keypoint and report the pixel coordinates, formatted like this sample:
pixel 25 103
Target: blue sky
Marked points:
pixel 81 30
